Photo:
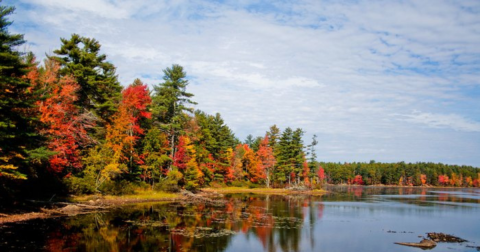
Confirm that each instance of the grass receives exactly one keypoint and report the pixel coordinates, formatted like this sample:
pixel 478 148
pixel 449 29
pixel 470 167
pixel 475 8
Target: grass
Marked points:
pixel 139 195
pixel 144 195
pixel 280 191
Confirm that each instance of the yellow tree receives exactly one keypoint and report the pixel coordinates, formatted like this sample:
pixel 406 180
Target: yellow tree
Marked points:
pixel 252 165
pixel 124 132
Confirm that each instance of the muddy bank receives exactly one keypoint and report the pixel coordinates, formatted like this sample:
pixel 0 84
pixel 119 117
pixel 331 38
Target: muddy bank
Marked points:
pixel 41 210
pixel 58 209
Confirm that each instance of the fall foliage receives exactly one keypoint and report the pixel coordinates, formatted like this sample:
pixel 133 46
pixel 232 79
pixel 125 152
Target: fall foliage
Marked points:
pixel 69 120
pixel 63 126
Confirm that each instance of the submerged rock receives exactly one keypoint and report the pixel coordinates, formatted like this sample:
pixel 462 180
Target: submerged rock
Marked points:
pixel 424 244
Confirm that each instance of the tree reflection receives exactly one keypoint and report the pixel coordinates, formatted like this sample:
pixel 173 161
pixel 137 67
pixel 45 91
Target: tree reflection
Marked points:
pixel 270 222
pixel 275 221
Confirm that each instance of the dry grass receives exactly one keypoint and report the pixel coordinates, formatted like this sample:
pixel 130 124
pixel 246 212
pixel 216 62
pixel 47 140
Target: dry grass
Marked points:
pixel 279 191
pixel 150 195
pixel 140 195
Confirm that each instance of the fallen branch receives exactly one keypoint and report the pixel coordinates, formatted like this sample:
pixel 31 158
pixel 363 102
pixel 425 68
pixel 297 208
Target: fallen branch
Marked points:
pixel 424 244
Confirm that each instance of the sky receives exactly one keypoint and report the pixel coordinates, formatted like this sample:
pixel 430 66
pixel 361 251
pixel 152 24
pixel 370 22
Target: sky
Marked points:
pixel 373 80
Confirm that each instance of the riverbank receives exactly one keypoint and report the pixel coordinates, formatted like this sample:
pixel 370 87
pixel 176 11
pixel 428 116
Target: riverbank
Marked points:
pixel 94 203
pixel 75 205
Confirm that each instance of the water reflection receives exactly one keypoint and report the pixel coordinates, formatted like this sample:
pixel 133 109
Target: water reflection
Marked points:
pixel 349 218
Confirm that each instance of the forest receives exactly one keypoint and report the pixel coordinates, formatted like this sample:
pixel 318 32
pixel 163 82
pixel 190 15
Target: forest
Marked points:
pixel 67 126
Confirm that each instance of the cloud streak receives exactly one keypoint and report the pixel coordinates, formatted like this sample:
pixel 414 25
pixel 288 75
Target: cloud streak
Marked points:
pixel 449 121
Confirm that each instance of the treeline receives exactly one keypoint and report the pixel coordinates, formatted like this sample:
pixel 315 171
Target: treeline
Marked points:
pixel 67 125
pixel 402 174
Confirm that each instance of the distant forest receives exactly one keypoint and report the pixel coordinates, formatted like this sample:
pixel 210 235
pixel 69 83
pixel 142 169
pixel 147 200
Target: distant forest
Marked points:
pixel 68 126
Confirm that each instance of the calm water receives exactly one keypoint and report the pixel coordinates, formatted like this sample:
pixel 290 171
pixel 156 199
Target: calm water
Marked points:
pixel 348 219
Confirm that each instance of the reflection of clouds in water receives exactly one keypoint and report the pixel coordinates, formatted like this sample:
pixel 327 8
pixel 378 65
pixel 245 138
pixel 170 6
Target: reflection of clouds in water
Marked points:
pixel 470 194
pixel 267 223
pixel 437 197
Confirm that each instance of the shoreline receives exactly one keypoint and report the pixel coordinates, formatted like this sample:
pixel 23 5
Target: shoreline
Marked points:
pixel 84 205
pixel 400 186
pixel 94 203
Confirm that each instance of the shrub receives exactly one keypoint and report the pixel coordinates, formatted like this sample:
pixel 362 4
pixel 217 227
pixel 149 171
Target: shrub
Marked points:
pixel 170 184
pixel 217 184
pixel 121 187
pixel 255 185
pixel 77 185
pixel 239 183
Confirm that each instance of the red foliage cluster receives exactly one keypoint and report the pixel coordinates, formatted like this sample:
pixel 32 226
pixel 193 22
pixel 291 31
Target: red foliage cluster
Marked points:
pixel 443 179
pixel 358 180
pixel 181 157
pixel 63 124
pixel 423 179
pixel 321 173
pixel 125 130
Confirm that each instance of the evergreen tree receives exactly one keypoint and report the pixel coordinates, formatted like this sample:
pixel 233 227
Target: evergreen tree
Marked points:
pixel 155 149
pixel 100 91
pixel 249 140
pixel 170 102
pixel 290 156
pixel 215 137
pixel 284 166
pixel 18 139
pixel 297 153
pixel 256 143
pixel 313 156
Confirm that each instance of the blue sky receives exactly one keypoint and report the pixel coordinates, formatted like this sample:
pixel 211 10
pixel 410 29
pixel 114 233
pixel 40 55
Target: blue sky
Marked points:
pixel 383 80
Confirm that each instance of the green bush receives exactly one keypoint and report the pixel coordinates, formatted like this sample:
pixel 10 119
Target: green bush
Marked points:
pixel 170 184
pixel 217 184
pixel 167 186
pixel 239 183
pixel 191 186
pixel 77 185
pixel 121 187
pixel 255 185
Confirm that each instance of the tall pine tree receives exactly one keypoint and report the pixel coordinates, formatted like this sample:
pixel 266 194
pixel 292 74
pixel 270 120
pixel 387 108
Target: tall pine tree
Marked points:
pixel 100 91
pixel 18 140
pixel 170 102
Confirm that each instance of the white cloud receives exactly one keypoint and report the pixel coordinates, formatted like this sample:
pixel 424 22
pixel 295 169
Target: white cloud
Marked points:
pixel 103 9
pixel 346 71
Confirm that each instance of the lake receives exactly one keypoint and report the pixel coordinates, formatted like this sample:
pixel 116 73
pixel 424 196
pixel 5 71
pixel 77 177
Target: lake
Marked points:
pixel 346 219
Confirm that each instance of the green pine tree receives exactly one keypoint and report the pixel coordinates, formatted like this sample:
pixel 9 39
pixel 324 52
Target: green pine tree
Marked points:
pixel 170 103
pixel 19 142
pixel 100 91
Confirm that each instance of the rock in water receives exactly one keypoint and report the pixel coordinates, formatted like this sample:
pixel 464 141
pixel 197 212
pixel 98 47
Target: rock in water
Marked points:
pixel 441 237
pixel 424 244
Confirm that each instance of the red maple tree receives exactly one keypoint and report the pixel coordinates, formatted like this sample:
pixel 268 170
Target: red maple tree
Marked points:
pixel 266 158
pixel 62 123
pixel 125 130
pixel 358 180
